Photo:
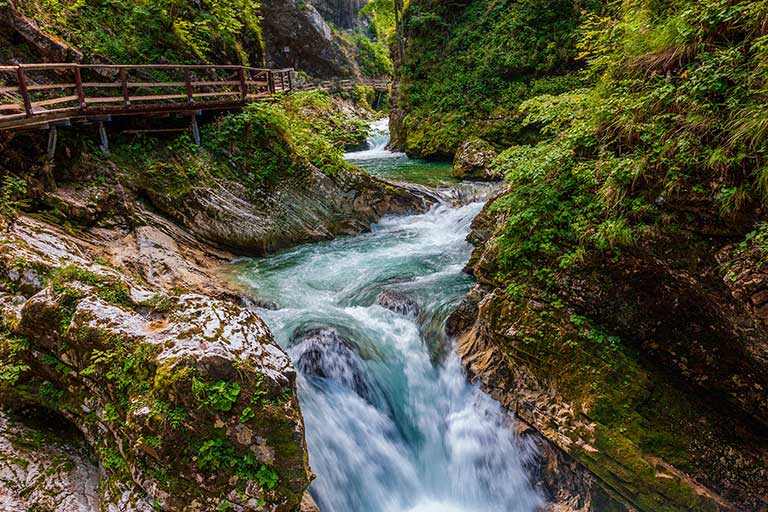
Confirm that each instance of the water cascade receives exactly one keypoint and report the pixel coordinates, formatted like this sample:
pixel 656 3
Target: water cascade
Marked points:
pixel 392 424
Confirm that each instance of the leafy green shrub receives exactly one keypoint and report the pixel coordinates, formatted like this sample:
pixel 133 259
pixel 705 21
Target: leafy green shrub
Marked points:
pixel 468 66
pixel 176 30
pixel 673 114
pixel 373 57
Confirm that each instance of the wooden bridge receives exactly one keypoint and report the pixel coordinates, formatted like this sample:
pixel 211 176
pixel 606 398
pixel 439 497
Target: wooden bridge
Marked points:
pixel 44 95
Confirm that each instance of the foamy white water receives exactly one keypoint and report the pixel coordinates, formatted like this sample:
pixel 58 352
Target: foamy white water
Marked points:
pixel 377 143
pixel 392 424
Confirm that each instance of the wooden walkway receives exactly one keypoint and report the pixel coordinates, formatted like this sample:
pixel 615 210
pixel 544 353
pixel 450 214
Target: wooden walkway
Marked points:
pixel 44 95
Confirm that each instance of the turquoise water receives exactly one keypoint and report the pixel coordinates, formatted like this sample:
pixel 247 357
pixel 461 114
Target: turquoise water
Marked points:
pixel 391 423
pixel 381 162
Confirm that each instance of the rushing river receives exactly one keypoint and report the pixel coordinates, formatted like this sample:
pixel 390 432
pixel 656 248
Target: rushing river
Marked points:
pixel 392 424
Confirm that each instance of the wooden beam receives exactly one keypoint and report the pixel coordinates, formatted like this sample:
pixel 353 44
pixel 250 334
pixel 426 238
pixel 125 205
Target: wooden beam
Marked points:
pixel 243 84
pixel 52 138
pixel 188 86
pixel 104 139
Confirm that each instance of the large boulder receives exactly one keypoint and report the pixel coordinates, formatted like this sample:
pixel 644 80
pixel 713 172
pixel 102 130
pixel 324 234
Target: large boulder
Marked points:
pixel 398 302
pixel 186 400
pixel 473 161
pixel 308 207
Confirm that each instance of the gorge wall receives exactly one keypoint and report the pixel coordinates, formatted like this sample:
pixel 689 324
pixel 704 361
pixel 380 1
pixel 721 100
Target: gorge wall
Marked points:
pixel 620 306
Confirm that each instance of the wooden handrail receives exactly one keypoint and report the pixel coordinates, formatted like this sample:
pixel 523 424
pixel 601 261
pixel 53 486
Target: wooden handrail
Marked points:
pixel 96 90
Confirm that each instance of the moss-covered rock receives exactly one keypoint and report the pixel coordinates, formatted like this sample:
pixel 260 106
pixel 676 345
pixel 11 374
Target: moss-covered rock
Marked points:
pixel 473 161
pixel 186 400
pixel 594 368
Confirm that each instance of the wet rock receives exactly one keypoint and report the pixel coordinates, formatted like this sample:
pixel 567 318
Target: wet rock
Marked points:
pixel 43 467
pixel 343 14
pixel 296 35
pixel 258 303
pixel 679 301
pixel 153 395
pixel 303 208
pixel 325 353
pixel 473 161
pixel 308 504
pixel 399 303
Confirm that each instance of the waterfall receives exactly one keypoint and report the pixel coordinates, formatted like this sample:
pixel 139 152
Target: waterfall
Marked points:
pixel 376 144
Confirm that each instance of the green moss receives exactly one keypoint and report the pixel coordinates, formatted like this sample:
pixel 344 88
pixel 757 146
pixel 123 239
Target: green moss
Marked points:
pixel 108 288
pixel 266 143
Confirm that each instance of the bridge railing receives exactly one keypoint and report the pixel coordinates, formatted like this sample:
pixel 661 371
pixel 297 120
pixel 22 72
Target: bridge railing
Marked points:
pixel 28 94
pixel 380 84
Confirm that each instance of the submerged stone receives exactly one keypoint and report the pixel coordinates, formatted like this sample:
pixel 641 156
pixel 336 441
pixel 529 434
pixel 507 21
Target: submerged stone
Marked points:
pixel 325 353
pixel 399 303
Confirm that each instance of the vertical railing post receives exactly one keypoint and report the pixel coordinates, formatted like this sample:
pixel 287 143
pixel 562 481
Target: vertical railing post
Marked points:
pixel 243 85
pixel 271 82
pixel 22 79
pixel 290 80
pixel 79 87
pixel 188 85
pixel 282 80
pixel 124 85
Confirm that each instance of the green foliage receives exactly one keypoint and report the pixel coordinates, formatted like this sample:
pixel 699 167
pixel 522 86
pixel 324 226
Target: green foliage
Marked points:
pixel 468 67
pixel 255 140
pixel 176 30
pixel 247 415
pixel 125 366
pixel 678 110
pixel 265 143
pixel 13 365
pixel 108 288
pixel 216 396
pixel 113 460
pixel 50 394
pixel 218 454
pixel 373 57
pixel 13 195
pixel 382 16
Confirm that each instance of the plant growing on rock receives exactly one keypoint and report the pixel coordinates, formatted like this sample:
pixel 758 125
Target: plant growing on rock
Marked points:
pixel 159 407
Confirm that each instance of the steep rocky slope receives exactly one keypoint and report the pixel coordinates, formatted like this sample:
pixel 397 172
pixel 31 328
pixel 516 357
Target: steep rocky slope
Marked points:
pixel 275 33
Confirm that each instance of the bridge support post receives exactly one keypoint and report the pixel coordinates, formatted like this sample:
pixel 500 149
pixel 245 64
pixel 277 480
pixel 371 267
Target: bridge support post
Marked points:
pixel 104 140
pixel 195 130
pixel 53 135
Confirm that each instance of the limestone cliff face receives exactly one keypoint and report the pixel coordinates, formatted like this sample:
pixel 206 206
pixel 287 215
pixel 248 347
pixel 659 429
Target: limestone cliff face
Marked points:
pixel 649 369
pixel 341 13
pixel 297 35
pixel 301 209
